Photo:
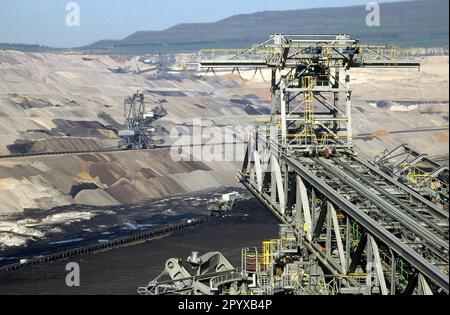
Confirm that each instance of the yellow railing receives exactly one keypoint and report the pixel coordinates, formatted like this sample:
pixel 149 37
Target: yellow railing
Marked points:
pixel 262 54
pixel 383 54
pixel 268 247
pixel 388 55
pixel 353 276
pixel 308 133
pixel 415 176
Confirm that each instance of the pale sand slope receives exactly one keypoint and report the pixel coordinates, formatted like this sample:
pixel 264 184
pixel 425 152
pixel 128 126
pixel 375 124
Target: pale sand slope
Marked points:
pixel 429 88
pixel 428 84
pixel 394 84
pixel 37 91
pixel 126 177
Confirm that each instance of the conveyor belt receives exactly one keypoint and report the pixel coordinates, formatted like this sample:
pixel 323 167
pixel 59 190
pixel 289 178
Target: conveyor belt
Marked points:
pixel 409 217
pixel 114 243
pixel 110 150
pixel 420 233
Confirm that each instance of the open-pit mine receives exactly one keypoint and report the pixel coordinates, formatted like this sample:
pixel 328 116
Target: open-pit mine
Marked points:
pixel 113 162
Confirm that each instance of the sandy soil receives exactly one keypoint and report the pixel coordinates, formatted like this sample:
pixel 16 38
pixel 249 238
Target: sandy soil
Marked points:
pixel 50 102
pixel 105 179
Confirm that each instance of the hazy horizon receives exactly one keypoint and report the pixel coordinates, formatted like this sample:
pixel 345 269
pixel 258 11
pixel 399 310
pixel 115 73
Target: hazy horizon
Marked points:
pixel 42 22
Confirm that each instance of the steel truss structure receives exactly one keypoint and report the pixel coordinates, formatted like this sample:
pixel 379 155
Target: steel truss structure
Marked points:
pixel 350 219
pixel 310 76
pixel 137 132
pixel 198 275
pixel 418 171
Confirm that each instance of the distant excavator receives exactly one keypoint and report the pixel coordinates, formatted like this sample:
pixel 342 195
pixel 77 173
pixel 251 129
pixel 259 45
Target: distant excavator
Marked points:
pixel 138 132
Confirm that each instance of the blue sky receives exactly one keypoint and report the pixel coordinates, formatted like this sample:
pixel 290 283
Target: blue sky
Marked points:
pixel 43 21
